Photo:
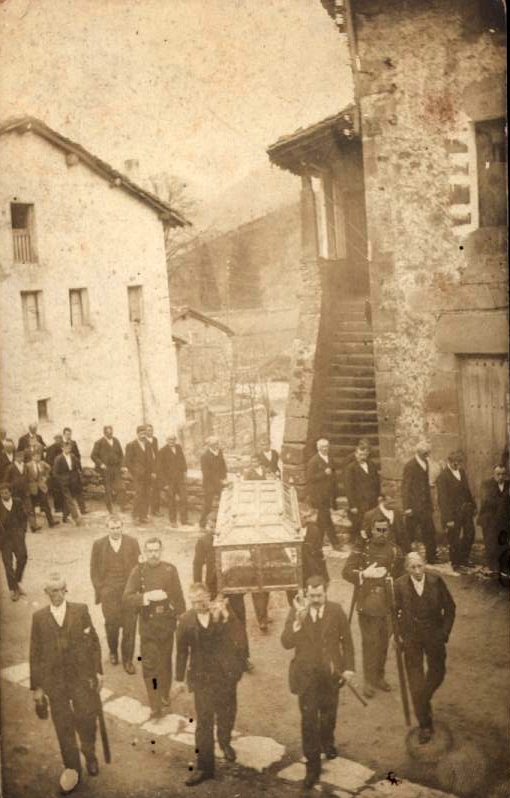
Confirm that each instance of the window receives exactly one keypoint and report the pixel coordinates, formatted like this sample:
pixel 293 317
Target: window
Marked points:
pixel 43 409
pixel 23 232
pixel 79 307
pixel 135 303
pixel 31 303
pixel 491 152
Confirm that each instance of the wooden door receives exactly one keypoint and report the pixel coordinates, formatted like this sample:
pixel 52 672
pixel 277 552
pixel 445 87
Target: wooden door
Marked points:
pixel 484 389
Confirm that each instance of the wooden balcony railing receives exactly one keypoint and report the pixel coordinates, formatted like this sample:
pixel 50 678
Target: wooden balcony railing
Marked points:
pixel 23 249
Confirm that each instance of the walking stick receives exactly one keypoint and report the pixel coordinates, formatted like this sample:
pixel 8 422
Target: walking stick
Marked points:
pixel 398 651
pixel 102 730
pixel 353 602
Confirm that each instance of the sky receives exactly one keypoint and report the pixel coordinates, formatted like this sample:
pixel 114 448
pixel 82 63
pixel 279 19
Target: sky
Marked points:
pixel 195 88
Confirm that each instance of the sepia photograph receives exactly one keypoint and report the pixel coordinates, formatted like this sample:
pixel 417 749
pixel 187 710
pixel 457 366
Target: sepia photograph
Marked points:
pixel 254 399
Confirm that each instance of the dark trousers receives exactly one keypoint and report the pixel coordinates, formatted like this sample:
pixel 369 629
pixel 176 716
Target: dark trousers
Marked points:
pixel 56 492
pixel 421 528
pixel 460 539
pixel 496 545
pixel 28 508
pixel 157 668
pixel 154 497
pixel 73 710
pixel 40 499
pixel 14 556
pixel 260 604
pixel 236 601
pixel 213 700
pixel 210 494
pixel 318 706
pixel 113 488
pixel 117 617
pixel 325 523
pixel 423 685
pixel 178 490
pixel 142 488
pixel 374 645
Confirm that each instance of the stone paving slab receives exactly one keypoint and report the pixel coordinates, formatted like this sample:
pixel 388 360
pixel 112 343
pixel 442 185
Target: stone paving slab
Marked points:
pixel 105 694
pixel 258 752
pixel 168 724
pixel 182 738
pixel 342 773
pixel 404 789
pixel 128 709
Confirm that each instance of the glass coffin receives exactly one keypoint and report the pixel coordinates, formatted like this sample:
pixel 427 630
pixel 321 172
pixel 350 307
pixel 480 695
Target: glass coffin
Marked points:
pixel 258 537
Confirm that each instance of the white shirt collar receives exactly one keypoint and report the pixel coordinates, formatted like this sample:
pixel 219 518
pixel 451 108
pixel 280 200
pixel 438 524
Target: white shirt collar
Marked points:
pixel 204 619
pixel 314 613
pixel 20 466
pixel 389 514
pixel 214 453
pixel 115 544
pixel 455 472
pixel 324 457
pixel 364 466
pixel 109 440
pixel 8 504
pixel 419 586
pixel 69 459
pixel 59 613
pixel 422 463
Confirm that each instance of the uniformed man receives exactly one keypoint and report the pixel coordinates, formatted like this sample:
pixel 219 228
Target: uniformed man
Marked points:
pixel 154 590
pixel 368 567
pixel 65 666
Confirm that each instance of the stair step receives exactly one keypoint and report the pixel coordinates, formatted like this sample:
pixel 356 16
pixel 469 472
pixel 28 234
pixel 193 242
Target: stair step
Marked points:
pixel 342 439
pixel 351 336
pixel 351 380
pixel 352 348
pixel 359 358
pixel 355 406
pixel 353 370
pixel 350 428
pixel 346 414
pixel 352 392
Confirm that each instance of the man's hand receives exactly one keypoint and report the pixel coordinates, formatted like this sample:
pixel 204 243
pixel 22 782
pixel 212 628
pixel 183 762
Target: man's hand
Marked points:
pixel 300 605
pixel 38 695
pixel 103 467
pixel 177 689
pixel 354 510
pixel 450 524
pixel 328 471
pixel 154 595
pixel 374 571
pixel 348 675
pixel 408 511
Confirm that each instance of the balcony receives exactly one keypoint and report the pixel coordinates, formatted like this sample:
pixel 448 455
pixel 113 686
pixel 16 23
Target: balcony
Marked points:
pixel 24 251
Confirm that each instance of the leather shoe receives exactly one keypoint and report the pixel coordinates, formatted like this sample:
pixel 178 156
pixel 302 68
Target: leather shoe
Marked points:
pixel 129 668
pixel 92 766
pixel 198 777
pixel 424 735
pixel 311 778
pixel 382 684
pixel 14 595
pixel 331 752
pixel 229 752
pixel 114 660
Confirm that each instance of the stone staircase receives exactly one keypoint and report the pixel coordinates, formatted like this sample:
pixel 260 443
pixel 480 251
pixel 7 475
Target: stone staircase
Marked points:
pixel 350 411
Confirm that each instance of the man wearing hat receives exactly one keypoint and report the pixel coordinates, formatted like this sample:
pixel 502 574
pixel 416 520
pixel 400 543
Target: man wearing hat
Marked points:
pixel 140 461
pixel 65 666
pixel 112 559
pixel 13 527
pixel 417 500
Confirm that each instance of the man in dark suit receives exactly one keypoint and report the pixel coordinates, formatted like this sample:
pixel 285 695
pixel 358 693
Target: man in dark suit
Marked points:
pixel 13 527
pixel 361 485
pixel 107 456
pixel 67 435
pixel 65 665
pixel 171 471
pixel 140 461
pixel 52 452
pixel 214 476
pixel 425 612
pixel 255 470
pixel 417 501
pixel 457 508
pixel 269 459
pixel 30 440
pixel 155 499
pixel 312 555
pixel 207 648
pixel 66 470
pixel 17 477
pixel 112 560
pixel 386 510
pixel 319 632
pixel 494 517
pixel 154 591
pixel 6 457
pixel 322 489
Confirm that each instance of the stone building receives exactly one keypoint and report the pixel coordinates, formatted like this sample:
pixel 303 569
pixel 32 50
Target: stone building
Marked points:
pixel 424 150
pixel 84 307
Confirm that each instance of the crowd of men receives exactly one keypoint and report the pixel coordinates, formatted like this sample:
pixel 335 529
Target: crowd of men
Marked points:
pixel 393 591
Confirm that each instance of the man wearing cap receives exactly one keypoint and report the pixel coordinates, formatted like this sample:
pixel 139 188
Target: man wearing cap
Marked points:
pixel 214 476
pixel 425 613
pixel 362 486
pixel 368 567
pixel 457 508
pixel 13 527
pixel 107 456
pixel 65 665
pixel 386 510
pixel 154 591
pixel 172 469
pixel 417 500
pixel 112 559
pixel 140 461
pixel 322 489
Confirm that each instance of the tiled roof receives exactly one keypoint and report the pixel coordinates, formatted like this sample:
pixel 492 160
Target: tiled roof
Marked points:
pixel 31 124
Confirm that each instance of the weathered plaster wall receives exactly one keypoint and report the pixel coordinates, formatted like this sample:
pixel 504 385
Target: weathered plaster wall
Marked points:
pixel 92 236
pixel 426 72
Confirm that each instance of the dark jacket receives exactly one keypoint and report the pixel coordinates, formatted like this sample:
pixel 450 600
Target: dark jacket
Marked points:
pixel 75 451
pixel 38 477
pixel 322 487
pixel 158 618
pixel 454 497
pixel 271 464
pixel 397 530
pixel 372 594
pixel 438 599
pixel 106 454
pixel 252 474
pixel 154 446
pixel 24 442
pixel 13 520
pixel 205 557
pixel 171 466
pixel 129 550
pixel 227 660
pixel 337 648
pixel 70 477
pixel 416 489
pixel 312 556
pixel 19 483
pixel 82 652
pixel 52 452
pixel 5 462
pixel 140 463
pixel 362 489
pixel 494 515
pixel 214 471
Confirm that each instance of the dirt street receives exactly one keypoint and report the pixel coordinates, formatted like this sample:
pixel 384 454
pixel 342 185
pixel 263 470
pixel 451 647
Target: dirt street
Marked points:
pixel 473 700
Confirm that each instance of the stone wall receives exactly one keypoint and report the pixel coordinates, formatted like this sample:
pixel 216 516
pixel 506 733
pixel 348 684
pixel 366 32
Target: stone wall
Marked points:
pixel 426 74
